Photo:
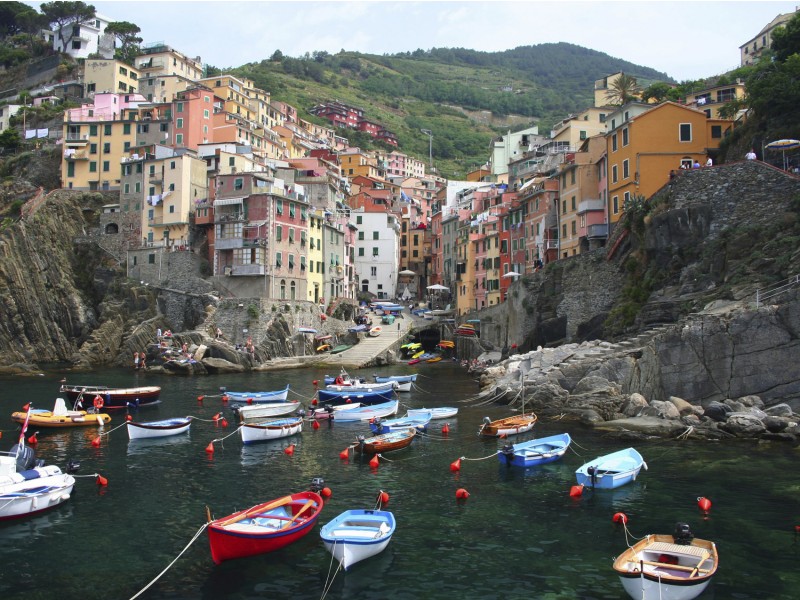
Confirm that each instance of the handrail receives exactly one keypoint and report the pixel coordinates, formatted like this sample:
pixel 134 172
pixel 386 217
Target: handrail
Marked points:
pixel 776 289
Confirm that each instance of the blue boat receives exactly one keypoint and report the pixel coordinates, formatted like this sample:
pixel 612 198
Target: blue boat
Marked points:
pixel 357 534
pixel 253 397
pixel 535 452
pixel 420 422
pixel 364 397
pixel 367 413
pixel 398 378
pixel 612 470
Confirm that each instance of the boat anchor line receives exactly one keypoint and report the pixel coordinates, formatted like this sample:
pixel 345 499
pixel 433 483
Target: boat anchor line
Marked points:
pixel 492 455
pixel 222 439
pixel 169 566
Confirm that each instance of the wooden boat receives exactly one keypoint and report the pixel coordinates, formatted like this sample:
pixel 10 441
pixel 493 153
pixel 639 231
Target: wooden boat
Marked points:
pixel 674 567
pixel 252 413
pixel 612 470
pixel 366 413
pixel 433 359
pixel 348 396
pixel 157 429
pixel 113 398
pixel 385 442
pixel 329 412
pixel 341 348
pixel 357 534
pixel 253 397
pixel 375 331
pixel 418 422
pixel 442 412
pixel 535 452
pixel 27 488
pixel 61 417
pixel 402 386
pixel 265 527
pixel 397 378
pixel 274 429
pixel 508 426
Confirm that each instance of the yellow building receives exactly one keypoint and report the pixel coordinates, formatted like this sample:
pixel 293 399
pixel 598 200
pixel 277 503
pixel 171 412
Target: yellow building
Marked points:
pixel 233 93
pixel 711 100
pixel 574 129
pixel 109 76
pixel 644 151
pixel 159 59
pixel 315 274
pixel 354 162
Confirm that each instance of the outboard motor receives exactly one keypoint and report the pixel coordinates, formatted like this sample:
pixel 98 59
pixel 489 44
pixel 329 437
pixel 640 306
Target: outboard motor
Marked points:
pixel 223 389
pixel 26 457
pixel 592 471
pixel 508 453
pixel 317 484
pixel 361 440
pixel 682 535
pixel 73 466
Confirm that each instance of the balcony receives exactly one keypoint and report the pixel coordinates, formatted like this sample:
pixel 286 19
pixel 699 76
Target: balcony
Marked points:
pixel 228 217
pixel 71 154
pixel 228 243
pixel 252 269
pixel 599 231
pixel 589 205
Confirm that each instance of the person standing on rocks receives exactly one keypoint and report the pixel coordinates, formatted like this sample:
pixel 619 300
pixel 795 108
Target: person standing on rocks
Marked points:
pixel 136 360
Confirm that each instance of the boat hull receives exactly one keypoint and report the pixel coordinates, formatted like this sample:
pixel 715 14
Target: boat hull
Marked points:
pixel 612 470
pixel 656 568
pixel 508 426
pixel 253 412
pixel 251 532
pixel 362 387
pixel 256 397
pixel 419 422
pixel 33 491
pixel 356 535
pixel 365 413
pixel 73 418
pixel 346 397
pixel 252 433
pixel 158 429
pixel 323 413
pixel 386 442
pixel 113 398
pixel 442 412
pixel 536 452
pixel 398 378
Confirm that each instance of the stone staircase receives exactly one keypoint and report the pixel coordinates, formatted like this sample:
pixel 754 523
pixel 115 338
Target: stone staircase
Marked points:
pixel 368 347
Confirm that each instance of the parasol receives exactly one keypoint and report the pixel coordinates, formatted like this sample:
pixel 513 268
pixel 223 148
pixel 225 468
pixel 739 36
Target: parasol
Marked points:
pixel 783 146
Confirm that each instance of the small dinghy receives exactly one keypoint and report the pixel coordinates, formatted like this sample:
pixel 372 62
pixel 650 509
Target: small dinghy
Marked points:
pixel 158 429
pixel 27 486
pixel 612 470
pixel 270 430
pixel 442 412
pixel 357 534
pixel 535 452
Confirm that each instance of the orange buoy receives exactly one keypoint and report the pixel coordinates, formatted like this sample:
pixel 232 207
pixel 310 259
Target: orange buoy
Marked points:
pixel 200 398
pixel 344 454
pixel 102 481
pixel 26 407
pixel 32 440
pixel 128 418
pixel 326 492
pixel 704 504
pixel 96 442
pixel 315 382
pixel 224 398
pixel 315 425
pixel 445 428
pixel 620 518
pixel 224 422
pixel 374 462
pixel 462 494
pixel 576 491
pixel 314 402
pixel 210 448
pixel 289 450
pixel 383 497
pixel 455 465
pixel 217 417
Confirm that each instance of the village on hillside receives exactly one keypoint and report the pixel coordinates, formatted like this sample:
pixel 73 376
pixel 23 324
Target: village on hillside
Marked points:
pixel 283 208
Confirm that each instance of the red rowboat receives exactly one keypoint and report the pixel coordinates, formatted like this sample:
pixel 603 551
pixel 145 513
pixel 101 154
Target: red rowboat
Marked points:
pixel 265 527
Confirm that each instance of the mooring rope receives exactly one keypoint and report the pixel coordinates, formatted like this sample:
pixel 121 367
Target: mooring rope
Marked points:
pixel 169 566
pixel 329 579
pixel 235 431
pixel 484 458
pixel 110 430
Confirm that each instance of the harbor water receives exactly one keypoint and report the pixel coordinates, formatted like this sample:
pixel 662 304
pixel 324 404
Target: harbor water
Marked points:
pixel 519 534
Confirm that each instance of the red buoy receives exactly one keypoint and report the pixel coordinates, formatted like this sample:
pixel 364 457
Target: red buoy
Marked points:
pixel 289 450
pixel 96 442
pixel 344 454
pixel 200 399
pixel 445 428
pixel 314 402
pixel 249 400
pixel 383 497
pixel 128 418
pixel 620 518
pixel 210 448
pixel 325 492
pixel 704 504
pixel 26 407
pixel 576 491
pixel 374 462
pixel 315 382
pixel 315 425
pixel 101 481
pixel 455 465
pixel 223 422
pixel 32 440
pixel 462 494
pixel 224 398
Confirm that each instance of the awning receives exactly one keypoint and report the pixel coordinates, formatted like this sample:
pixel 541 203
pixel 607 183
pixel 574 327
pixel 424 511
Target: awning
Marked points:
pixel 228 201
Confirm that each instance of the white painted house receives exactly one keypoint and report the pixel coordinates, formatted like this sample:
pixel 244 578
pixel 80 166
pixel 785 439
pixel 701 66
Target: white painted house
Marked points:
pixel 377 252
pixel 84 39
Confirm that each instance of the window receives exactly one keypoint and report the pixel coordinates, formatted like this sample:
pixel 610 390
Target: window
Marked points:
pixel 71 169
pixel 238 183
pixel 615 204
pixel 92 130
pixel 625 169
pixel 360 250
pixel 716 131
pixel 179 123
pixel 685 132
pixel 106 166
pixel 374 251
pixel 572 177
pixel 375 235
pixel 583 135
pixel 624 137
pixel 92 148
pixel 564 230
pixel 179 139
pixel 291 235
pixel 126 128
pixel 291 262
pixel 360 235
pixel 614 177
pixel 574 228
pixel 373 271
pixel 302 263
pixel 106 147
pixel 291 210
pixel 278 259
pixel 279 206
pixel 278 233
pixel 126 188
pixel 573 203
pixel 564 206
pixel 172 165
pixel 107 129
pixel 359 219
pixel 205 114
pixel 614 143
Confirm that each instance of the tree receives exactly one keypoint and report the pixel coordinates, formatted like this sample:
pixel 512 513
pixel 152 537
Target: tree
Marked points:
pixel 623 89
pixel 277 56
pixel 786 40
pixel 14 17
pixel 10 139
pixel 129 40
pixel 659 92
pixel 62 14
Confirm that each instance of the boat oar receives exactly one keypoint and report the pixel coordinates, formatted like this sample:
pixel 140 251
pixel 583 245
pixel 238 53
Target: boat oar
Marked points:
pixel 306 506
pixel 258 509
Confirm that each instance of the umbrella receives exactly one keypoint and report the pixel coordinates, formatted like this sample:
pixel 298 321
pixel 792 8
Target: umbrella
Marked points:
pixel 438 287
pixel 512 274
pixel 783 146
pixel 407 272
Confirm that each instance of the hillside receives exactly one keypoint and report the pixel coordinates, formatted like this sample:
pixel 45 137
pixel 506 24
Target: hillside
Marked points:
pixel 441 89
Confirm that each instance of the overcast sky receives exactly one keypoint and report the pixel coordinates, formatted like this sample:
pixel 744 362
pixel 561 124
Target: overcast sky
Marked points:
pixel 685 39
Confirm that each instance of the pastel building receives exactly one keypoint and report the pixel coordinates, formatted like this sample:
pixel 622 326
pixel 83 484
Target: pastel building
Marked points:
pixel 109 76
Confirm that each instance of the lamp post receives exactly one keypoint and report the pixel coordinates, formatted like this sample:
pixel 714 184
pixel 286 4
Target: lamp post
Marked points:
pixel 429 133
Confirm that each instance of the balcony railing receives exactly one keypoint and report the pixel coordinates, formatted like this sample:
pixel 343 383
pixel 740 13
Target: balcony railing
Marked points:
pixel 597 231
